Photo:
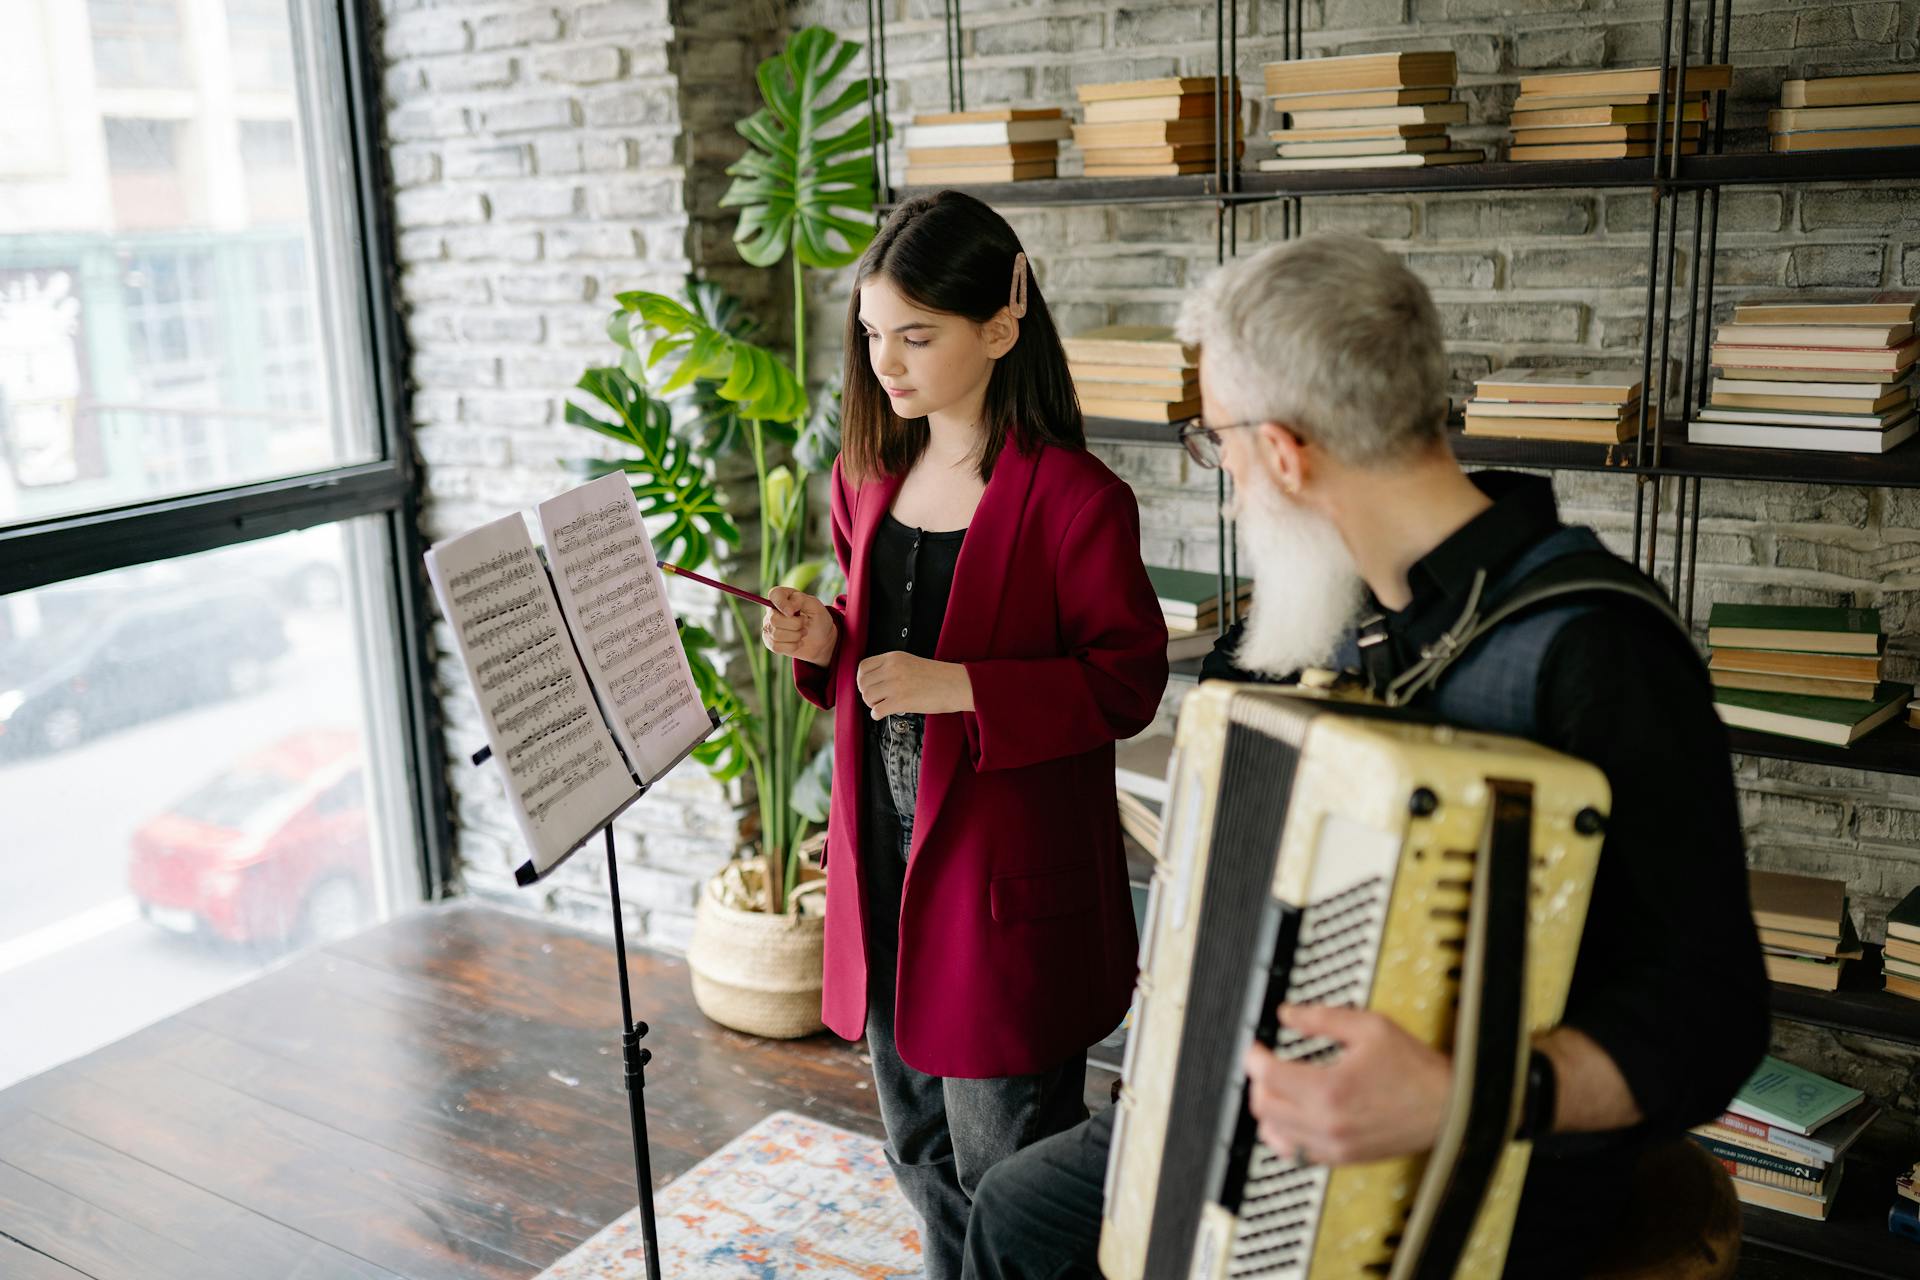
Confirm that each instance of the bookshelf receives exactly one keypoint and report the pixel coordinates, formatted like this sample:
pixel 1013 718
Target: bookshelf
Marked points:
pixel 1855 1241
pixel 1699 171
pixel 1859 1007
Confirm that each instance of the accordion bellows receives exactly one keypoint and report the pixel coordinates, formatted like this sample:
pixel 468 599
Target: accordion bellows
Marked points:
pixel 1322 852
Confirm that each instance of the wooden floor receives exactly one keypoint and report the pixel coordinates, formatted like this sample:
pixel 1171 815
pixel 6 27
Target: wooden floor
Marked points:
pixel 438 1099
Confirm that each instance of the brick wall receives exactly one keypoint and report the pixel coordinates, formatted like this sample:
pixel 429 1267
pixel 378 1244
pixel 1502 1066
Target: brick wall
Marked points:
pixel 1536 277
pixel 544 157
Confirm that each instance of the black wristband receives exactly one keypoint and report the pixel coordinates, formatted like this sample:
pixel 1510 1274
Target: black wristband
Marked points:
pixel 1539 1100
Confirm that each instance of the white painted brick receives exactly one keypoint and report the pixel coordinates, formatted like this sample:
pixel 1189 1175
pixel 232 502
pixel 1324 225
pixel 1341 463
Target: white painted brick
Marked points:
pixel 438 206
pixel 492 243
pixel 529 115
pixel 484 161
pixel 623 17
pixel 517 28
pixel 467 75
pixel 591 65
pixel 520 201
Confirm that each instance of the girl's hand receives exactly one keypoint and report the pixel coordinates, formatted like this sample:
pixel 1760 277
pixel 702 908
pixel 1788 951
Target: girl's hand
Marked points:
pixel 799 626
pixel 895 683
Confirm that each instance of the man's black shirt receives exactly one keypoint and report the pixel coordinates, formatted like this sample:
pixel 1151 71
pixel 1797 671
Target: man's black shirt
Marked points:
pixel 1669 979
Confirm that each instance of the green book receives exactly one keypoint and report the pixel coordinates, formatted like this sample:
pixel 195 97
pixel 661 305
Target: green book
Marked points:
pixel 1796 628
pixel 1903 921
pixel 1838 722
pixel 1189 592
pixel 1792 1097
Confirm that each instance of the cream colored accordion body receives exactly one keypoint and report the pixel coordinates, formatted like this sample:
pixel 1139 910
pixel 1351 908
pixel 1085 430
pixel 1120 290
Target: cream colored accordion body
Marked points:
pixel 1321 853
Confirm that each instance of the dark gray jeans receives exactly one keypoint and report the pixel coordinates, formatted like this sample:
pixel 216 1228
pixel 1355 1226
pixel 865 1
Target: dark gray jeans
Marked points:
pixel 1037 1216
pixel 943 1134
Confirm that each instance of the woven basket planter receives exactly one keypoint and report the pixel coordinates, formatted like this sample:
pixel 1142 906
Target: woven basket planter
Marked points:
pixel 754 971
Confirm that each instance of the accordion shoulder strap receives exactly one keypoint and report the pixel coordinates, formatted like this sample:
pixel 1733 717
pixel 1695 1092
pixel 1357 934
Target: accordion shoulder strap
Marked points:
pixel 1568 568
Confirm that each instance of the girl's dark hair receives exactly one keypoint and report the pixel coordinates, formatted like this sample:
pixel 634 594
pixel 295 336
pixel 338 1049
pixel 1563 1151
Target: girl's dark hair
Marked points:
pixel 951 253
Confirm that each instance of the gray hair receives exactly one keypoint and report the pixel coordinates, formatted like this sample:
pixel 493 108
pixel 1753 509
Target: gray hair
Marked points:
pixel 1330 334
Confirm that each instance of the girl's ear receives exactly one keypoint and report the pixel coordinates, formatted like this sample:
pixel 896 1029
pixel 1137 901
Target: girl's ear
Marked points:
pixel 1000 332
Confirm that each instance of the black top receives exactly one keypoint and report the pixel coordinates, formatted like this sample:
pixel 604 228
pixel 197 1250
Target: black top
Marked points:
pixel 1668 979
pixel 910 573
pixel 909 576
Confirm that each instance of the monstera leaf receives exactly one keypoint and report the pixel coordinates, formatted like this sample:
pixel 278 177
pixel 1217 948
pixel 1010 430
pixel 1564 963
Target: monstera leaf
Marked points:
pixel 798 185
pixel 819 443
pixel 813 789
pixel 750 377
pixel 667 478
pixel 710 424
pixel 724 754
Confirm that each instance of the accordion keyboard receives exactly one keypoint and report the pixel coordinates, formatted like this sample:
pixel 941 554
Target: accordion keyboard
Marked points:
pixel 1332 964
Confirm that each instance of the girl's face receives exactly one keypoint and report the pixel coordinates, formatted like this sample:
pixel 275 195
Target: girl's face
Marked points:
pixel 928 362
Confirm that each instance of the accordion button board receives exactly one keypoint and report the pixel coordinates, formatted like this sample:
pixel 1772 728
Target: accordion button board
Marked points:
pixel 1324 852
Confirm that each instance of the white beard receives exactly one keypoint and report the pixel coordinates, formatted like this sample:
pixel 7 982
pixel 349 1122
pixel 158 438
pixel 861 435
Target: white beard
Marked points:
pixel 1307 589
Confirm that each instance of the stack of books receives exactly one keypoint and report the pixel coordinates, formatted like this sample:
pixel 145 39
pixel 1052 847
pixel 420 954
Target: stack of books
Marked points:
pixel 1371 111
pixel 1555 404
pixel 1801 671
pixel 1830 376
pixel 1784 1137
pixel 1190 603
pixel 1139 372
pixel 995 144
pixel 1154 128
pixel 1610 115
pixel 1900 959
pixel 1140 780
pixel 1904 1218
pixel 1806 930
pixel 1838 112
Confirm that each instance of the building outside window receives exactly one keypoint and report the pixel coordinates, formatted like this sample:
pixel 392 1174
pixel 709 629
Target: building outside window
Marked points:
pixel 211 744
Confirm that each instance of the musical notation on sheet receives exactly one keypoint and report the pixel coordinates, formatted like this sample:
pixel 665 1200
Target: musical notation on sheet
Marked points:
pixel 614 595
pixel 563 772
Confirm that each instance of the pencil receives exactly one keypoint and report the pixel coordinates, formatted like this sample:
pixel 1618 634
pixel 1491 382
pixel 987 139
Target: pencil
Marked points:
pixel 719 586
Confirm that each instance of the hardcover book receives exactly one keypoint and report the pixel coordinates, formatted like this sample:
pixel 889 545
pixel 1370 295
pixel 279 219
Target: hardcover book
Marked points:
pixel 1798 628
pixel 1792 1097
pixel 1838 722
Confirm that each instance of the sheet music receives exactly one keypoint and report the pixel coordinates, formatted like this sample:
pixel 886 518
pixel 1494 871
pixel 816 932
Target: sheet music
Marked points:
pixel 615 596
pixel 564 774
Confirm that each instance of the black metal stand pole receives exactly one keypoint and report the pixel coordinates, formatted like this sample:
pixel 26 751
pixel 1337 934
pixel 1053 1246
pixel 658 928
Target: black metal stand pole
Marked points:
pixel 635 1059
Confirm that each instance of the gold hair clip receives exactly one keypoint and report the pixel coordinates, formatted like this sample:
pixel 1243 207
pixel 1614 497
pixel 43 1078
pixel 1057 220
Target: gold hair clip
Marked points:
pixel 1017 299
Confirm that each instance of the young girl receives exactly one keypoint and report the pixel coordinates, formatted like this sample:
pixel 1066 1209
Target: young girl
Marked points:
pixel 997 635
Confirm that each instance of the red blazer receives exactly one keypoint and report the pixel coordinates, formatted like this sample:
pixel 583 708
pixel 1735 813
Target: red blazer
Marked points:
pixel 1017 945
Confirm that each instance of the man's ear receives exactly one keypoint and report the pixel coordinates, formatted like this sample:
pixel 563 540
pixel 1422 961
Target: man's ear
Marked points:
pixel 1283 455
pixel 1000 332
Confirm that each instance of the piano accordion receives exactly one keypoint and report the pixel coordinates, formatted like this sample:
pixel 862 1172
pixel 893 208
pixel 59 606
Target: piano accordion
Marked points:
pixel 1320 852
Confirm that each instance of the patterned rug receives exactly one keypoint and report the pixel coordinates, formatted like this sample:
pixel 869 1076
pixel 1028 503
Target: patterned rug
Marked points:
pixel 789 1197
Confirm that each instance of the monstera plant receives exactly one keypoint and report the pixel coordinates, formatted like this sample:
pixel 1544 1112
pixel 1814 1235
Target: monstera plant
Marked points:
pixel 692 388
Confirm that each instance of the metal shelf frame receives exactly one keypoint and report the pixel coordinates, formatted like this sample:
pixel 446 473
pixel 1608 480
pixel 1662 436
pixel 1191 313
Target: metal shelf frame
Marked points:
pixel 1658 454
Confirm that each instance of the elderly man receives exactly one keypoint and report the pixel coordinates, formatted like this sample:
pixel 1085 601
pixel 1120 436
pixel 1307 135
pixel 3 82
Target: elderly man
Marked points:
pixel 1323 385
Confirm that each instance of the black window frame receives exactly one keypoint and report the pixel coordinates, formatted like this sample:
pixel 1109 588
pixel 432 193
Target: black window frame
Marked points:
pixel 56 549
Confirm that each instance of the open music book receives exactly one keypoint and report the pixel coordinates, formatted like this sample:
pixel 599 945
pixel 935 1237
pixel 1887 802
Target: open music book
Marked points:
pixel 587 698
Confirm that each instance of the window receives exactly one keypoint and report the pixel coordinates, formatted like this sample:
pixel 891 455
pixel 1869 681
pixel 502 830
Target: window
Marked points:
pixel 257 32
pixel 270 158
pixel 181 331
pixel 138 43
pixel 214 742
pixel 215 716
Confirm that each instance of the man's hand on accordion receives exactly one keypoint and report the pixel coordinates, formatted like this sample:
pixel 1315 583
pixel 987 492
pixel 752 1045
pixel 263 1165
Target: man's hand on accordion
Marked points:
pixel 1382 1095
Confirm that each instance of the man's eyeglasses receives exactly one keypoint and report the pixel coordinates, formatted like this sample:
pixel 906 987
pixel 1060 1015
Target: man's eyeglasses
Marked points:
pixel 1202 440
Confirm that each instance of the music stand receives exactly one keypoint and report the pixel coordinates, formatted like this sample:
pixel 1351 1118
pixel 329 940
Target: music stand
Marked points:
pixel 632 1056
